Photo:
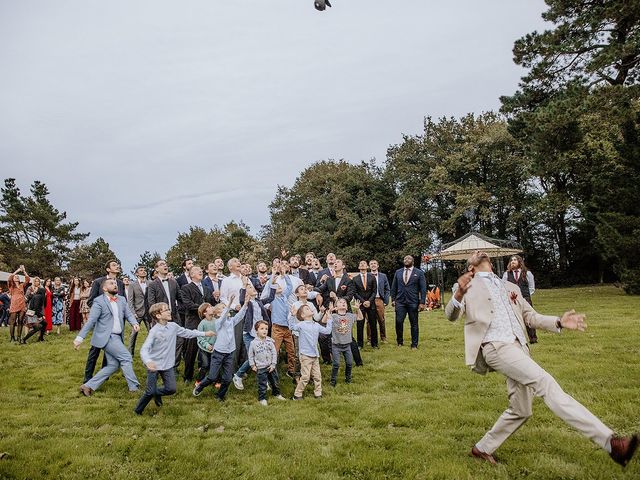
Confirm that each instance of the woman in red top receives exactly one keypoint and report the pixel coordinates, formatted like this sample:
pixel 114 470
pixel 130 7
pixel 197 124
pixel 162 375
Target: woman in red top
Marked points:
pixel 48 306
pixel 18 306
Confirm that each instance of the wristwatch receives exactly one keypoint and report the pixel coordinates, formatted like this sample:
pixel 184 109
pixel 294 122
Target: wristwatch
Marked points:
pixel 559 324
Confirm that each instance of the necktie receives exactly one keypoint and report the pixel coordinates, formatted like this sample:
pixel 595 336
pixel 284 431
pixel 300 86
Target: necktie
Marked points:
pixel 406 276
pixel 516 275
pixel 113 299
pixel 364 281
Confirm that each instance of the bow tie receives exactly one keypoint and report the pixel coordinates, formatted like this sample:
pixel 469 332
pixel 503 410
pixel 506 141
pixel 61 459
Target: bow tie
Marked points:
pixel 113 299
pixel 164 280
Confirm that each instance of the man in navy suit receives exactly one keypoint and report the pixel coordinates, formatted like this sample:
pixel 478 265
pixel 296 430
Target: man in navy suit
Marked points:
pixel 106 319
pixel 408 295
pixel 382 298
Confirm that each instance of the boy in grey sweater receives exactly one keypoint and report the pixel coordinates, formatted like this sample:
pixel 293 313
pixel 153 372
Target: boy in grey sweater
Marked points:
pixel 263 359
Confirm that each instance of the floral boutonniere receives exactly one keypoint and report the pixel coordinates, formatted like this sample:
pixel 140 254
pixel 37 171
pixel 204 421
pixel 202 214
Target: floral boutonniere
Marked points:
pixel 514 297
pixel 343 287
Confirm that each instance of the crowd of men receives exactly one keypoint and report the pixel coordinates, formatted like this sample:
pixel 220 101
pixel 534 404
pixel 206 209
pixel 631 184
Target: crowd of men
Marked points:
pixel 321 285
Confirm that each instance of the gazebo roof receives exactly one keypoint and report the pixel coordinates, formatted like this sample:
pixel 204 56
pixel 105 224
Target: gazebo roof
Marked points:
pixel 464 246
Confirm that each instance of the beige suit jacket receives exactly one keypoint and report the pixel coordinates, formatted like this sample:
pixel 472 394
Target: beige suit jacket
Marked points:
pixel 478 310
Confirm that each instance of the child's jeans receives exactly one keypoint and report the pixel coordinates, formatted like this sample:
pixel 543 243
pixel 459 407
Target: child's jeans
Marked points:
pixel 344 350
pixel 264 377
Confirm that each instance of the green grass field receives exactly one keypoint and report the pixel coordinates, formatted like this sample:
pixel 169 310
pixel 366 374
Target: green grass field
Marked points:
pixel 408 414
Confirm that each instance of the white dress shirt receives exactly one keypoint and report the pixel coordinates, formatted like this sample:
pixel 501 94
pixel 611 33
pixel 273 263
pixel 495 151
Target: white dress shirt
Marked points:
pixel 165 285
pixel 117 328
pixel 231 286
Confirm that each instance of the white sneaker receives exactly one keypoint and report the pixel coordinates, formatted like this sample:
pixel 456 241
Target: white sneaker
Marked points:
pixel 237 382
pixel 279 397
pixel 263 403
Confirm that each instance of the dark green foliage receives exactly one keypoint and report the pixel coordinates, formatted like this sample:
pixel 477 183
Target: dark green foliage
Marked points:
pixel 335 206
pixel 33 232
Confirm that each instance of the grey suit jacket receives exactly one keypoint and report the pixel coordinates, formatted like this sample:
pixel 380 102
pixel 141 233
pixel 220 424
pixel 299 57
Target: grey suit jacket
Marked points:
pixel 138 300
pixel 101 320
pixel 477 307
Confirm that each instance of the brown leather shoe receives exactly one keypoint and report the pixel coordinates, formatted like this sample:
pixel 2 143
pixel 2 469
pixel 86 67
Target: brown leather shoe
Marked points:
pixel 623 448
pixel 86 391
pixel 483 456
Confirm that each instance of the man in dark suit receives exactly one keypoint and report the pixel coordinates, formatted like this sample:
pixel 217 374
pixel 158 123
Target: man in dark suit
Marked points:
pixel 194 294
pixel 298 271
pixel 212 281
pixel 408 294
pixel 331 288
pixel 365 292
pixel 329 270
pixel 112 267
pixel 383 291
pixel 137 299
pixel 165 289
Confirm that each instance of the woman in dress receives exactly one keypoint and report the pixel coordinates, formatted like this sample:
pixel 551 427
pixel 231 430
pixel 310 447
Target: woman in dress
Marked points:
pixel 48 306
pixel 18 306
pixel 57 305
pixel 75 317
pixel 84 296
pixel 36 297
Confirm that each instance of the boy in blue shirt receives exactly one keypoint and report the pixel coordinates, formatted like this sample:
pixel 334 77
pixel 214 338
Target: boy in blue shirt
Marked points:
pixel 224 348
pixel 309 355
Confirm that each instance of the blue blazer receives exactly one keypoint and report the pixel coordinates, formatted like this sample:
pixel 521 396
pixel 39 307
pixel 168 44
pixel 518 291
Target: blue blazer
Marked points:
pixel 414 293
pixel 384 290
pixel 101 320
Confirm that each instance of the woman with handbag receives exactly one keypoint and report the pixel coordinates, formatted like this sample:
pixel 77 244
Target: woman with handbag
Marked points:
pixel 34 318
pixel 18 303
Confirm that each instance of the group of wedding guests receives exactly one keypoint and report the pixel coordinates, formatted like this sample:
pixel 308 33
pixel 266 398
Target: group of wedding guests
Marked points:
pixel 243 319
pixel 34 306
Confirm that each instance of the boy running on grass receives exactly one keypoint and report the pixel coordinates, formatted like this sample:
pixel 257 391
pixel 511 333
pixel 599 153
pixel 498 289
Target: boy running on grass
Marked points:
pixel 158 354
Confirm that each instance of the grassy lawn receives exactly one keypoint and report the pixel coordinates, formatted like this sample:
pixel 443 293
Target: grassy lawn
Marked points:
pixel 408 414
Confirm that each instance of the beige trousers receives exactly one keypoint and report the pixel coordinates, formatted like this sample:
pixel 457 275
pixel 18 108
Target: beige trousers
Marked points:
pixel 309 368
pixel 525 378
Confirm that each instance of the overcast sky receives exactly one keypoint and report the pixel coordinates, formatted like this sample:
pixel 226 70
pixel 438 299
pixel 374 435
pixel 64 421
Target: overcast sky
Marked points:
pixel 146 117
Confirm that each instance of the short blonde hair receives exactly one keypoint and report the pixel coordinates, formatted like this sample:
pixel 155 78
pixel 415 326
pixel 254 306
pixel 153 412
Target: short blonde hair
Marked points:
pixel 156 309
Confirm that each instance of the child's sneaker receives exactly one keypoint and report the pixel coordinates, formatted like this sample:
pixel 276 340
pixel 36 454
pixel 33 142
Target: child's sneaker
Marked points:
pixel 279 397
pixel 263 403
pixel 296 398
pixel 318 397
pixel 196 391
pixel 237 382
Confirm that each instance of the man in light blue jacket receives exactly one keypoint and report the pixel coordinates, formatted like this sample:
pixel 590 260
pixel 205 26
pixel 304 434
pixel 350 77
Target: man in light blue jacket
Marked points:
pixel 106 319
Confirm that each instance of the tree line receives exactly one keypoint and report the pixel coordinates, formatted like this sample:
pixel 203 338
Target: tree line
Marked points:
pixel 557 169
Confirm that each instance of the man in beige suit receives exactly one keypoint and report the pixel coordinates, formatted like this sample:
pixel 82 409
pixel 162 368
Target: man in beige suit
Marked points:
pixel 495 340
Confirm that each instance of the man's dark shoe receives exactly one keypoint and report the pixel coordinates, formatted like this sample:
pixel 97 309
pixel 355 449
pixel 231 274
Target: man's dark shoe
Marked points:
pixel 157 400
pixel 86 391
pixel 483 456
pixel 623 448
